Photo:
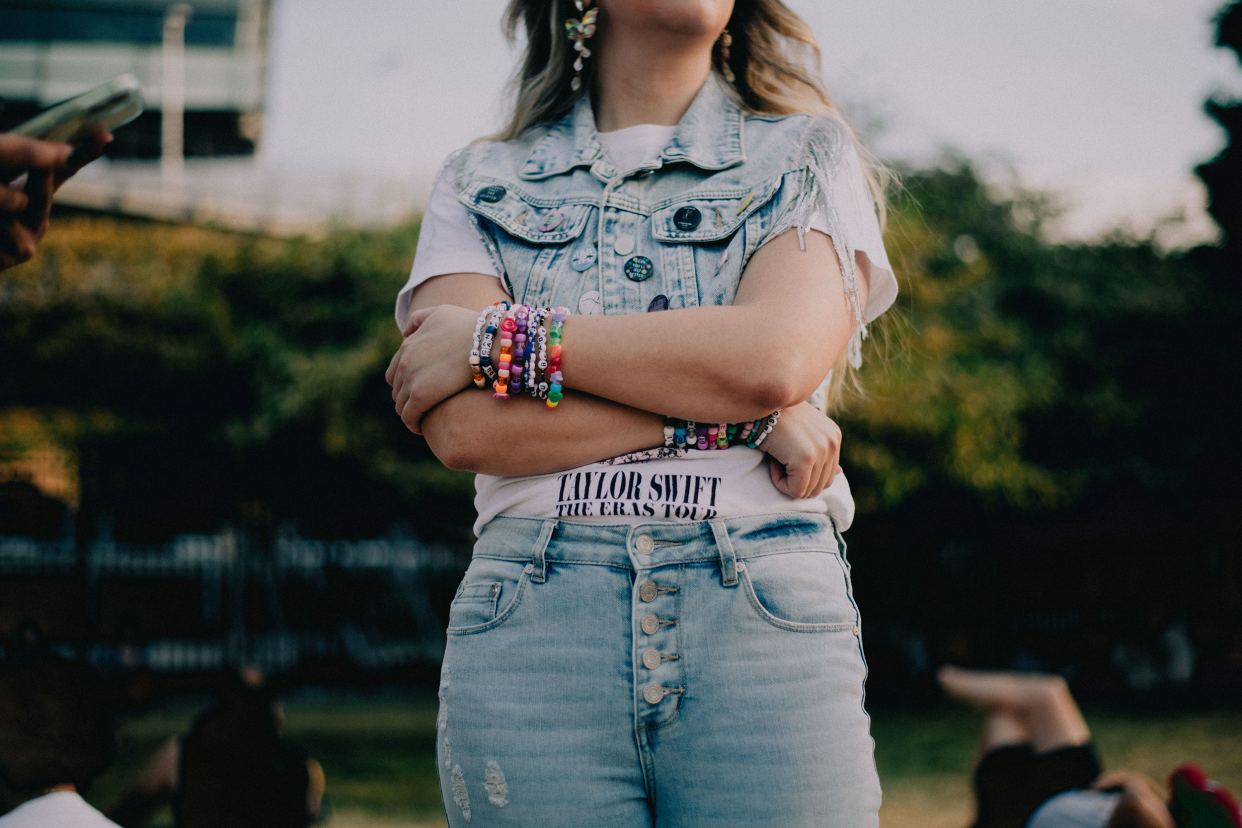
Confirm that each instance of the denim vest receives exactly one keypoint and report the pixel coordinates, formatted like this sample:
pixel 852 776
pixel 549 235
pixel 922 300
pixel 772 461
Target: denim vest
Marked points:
pixel 566 227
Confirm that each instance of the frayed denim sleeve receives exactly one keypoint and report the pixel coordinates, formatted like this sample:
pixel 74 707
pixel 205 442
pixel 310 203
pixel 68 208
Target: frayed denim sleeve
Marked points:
pixel 832 185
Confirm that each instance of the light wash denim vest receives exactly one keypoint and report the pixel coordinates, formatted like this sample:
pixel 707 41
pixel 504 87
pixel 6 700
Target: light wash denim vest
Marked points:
pixel 566 227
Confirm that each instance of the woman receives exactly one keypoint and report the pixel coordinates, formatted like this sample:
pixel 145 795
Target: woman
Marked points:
pixel 651 634
pixel 1038 767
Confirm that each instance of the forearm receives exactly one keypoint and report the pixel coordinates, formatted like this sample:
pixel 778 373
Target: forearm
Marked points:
pixel 789 324
pixel 472 431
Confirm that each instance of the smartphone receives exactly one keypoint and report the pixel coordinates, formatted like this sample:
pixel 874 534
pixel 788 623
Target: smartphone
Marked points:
pixel 103 108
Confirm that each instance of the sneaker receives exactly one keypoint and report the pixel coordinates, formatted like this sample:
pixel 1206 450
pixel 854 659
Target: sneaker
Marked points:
pixel 1197 802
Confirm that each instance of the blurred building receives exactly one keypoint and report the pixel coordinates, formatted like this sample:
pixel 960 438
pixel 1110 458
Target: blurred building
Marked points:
pixel 51 50
pixel 337 152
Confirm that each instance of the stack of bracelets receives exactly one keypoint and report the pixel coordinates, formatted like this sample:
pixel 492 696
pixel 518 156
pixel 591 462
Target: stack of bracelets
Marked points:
pixel 529 360
pixel 529 356
pixel 708 436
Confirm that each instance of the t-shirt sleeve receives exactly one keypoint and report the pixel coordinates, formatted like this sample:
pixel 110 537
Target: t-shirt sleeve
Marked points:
pixel 856 219
pixel 447 243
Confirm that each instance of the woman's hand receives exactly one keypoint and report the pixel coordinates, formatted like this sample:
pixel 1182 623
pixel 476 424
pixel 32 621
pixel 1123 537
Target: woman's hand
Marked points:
pixel 806 446
pixel 1142 801
pixel 24 212
pixel 432 363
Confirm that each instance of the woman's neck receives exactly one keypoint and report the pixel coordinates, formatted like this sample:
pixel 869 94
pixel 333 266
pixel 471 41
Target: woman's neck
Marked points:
pixel 645 79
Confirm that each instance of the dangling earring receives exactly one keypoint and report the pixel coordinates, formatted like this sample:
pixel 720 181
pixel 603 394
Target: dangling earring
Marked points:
pixel 579 30
pixel 726 40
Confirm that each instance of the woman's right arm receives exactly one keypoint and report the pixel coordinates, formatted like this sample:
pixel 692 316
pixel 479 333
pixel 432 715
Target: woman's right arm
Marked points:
pixel 472 431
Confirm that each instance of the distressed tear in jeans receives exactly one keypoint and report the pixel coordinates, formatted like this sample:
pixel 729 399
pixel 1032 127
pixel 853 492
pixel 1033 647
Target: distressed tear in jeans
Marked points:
pixel 442 718
pixel 497 787
pixel 460 795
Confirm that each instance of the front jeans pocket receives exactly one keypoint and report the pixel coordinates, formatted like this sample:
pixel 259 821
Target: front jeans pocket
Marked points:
pixel 800 591
pixel 488 596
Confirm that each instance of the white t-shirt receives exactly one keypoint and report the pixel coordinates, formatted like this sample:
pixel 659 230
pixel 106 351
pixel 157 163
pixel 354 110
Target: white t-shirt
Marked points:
pixel 58 809
pixel 661 484
pixel 1076 809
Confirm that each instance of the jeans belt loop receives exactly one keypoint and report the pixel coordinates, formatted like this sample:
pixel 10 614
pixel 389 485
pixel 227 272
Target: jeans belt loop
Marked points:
pixel 728 559
pixel 539 556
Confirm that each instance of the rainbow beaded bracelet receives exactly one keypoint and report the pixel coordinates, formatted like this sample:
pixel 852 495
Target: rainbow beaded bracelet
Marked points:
pixel 519 350
pixel 683 434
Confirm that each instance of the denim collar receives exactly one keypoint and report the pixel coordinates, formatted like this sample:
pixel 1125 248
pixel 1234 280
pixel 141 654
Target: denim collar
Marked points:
pixel 709 136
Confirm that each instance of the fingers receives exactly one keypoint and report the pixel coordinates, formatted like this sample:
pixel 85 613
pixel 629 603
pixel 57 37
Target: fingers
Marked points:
pixel 40 187
pixel 417 318
pixel 20 152
pixel 779 478
pixel 12 200
pixel 17 245
pixel 390 376
pixel 84 154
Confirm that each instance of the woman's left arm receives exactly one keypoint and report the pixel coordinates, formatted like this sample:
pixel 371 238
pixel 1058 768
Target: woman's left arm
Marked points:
pixel 790 322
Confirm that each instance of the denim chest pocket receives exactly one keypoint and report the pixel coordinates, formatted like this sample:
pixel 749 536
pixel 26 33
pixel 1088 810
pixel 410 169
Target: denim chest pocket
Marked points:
pixel 800 591
pixel 712 233
pixel 489 594
pixel 709 216
pixel 532 219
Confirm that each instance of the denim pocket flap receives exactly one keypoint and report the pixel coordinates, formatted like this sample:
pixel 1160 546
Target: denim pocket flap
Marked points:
pixel 524 216
pixel 709 216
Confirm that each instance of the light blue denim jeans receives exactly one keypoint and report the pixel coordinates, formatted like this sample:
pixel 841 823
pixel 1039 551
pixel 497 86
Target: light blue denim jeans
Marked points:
pixel 656 675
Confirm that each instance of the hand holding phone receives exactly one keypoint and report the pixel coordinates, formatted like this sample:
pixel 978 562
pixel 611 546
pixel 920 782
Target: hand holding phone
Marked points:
pixel 49 148
pixel 79 120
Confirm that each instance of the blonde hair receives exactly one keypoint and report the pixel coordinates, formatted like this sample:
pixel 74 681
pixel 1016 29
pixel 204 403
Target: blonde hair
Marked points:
pixel 774 58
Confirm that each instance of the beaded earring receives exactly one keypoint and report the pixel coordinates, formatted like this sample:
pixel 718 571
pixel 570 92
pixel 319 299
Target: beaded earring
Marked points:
pixel 726 40
pixel 579 31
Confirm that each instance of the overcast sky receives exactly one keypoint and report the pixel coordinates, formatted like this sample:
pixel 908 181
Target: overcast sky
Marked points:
pixel 1100 99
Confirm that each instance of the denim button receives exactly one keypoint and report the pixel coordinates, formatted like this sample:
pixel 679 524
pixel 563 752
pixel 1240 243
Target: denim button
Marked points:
pixel 648 592
pixel 624 245
pixel 687 218
pixel 491 195
pixel 651 658
pixel 650 624
pixel 639 269
pixel 653 693
pixel 644 544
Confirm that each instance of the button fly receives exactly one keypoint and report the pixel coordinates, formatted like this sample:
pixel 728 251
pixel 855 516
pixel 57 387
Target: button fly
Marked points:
pixel 644 544
pixel 653 693
pixel 647 592
pixel 651 658
pixel 650 624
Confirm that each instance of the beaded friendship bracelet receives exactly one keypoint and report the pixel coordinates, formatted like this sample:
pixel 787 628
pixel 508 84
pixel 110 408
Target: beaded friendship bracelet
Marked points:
pixel 716 436
pixel 518 349
pixel 475 354
pixel 489 336
pixel 554 357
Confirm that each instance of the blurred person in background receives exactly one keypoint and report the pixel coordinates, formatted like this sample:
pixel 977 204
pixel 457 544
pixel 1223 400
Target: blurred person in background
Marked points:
pixel 232 770
pixel 56 738
pixel 25 208
pixel 1039 769
pixel 687 235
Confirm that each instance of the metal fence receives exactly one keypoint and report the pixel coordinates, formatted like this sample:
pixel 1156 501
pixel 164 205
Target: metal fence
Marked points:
pixel 204 602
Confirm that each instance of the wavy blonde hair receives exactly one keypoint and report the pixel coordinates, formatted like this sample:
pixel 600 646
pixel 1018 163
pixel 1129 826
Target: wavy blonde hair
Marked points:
pixel 777 70
pixel 775 61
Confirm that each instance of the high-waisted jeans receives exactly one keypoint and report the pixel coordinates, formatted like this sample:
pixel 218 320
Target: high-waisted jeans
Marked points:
pixel 657 674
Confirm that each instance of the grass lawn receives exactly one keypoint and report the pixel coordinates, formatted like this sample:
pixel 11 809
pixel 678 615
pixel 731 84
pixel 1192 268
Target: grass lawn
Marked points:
pixel 379 757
